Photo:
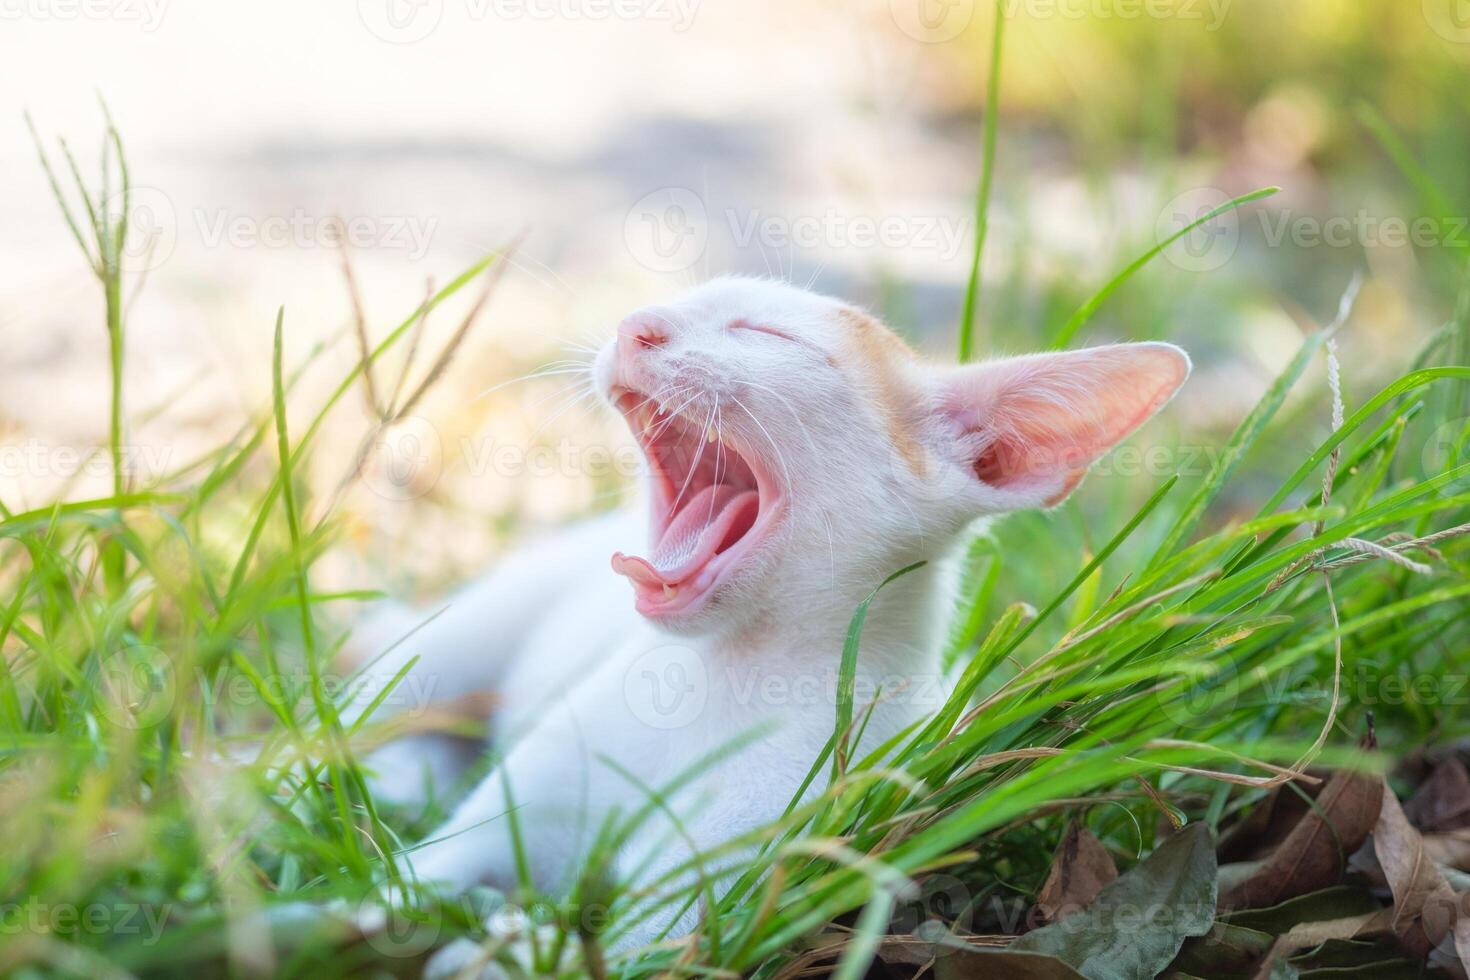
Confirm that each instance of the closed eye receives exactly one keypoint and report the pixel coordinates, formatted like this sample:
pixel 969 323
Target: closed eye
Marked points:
pixel 761 328
pixel 783 335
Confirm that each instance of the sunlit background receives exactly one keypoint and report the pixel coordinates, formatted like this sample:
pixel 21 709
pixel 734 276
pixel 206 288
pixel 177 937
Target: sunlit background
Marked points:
pixel 643 145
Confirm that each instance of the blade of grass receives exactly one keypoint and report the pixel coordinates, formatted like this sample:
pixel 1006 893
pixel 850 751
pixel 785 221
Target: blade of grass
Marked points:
pixel 987 179
pixel 847 672
pixel 1084 312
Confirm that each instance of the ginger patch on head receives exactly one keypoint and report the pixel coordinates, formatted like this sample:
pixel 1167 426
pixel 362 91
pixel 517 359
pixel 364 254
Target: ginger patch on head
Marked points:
pixel 881 356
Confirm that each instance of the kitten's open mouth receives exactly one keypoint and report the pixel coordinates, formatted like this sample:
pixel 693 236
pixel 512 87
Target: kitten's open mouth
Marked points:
pixel 711 504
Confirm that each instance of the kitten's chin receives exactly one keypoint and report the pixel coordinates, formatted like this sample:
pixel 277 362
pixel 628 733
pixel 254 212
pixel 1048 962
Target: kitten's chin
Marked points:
pixel 713 506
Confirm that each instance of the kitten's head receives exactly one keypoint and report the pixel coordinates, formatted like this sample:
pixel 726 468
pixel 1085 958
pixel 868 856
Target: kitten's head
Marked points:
pixel 799 451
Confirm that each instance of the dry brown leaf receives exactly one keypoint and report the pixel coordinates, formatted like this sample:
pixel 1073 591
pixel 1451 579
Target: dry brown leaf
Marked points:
pixel 1267 824
pixel 1308 935
pixel 1442 802
pixel 1449 850
pixel 1315 853
pixel 1079 871
pixel 1424 910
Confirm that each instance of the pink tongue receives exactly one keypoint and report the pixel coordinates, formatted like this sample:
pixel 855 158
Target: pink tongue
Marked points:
pixel 689 534
pixel 691 540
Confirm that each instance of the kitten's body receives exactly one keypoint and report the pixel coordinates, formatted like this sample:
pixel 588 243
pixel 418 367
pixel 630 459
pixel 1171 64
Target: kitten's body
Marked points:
pixel 589 697
pixel 838 457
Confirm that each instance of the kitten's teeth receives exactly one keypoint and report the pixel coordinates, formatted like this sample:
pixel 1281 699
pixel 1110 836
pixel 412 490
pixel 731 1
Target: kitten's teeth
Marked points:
pixel 668 591
pixel 709 433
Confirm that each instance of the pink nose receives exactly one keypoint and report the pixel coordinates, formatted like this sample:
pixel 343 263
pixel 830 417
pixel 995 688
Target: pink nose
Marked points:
pixel 639 331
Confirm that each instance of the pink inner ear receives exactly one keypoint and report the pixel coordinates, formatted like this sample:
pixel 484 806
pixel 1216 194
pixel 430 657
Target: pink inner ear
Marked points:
pixel 1042 420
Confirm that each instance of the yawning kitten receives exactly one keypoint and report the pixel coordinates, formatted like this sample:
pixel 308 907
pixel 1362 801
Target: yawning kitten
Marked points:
pixel 798 453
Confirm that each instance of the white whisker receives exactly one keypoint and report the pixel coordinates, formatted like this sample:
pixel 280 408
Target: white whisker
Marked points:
pixel 780 459
pixel 719 456
pixel 589 393
pixel 545 371
pixel 583 387
pixel 670 416
pixel 688 477
pixel 800 422
pixel 816 274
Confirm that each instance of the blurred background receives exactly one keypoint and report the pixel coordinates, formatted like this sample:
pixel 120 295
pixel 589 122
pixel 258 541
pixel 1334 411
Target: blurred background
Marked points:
pixel 644 145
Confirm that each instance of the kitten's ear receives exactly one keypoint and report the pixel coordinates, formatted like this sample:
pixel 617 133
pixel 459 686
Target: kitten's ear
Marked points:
pixel 1030 426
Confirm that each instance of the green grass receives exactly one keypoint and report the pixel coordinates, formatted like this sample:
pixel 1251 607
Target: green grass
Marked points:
pixel 1167 651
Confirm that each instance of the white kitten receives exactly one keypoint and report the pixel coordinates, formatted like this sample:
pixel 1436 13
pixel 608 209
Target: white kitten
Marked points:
pixel 799 453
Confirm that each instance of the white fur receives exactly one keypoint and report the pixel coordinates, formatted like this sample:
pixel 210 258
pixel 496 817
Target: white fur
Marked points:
pixel 582 678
